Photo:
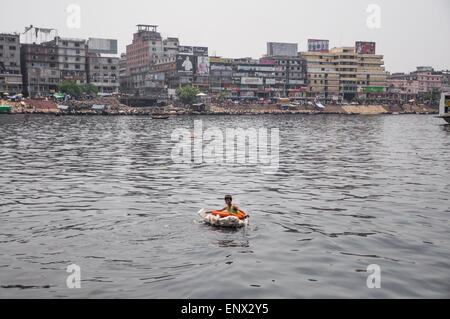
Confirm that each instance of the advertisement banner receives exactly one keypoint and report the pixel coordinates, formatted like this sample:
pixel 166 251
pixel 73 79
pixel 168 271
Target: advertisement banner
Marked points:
pixel 203 65
pixel 182 49
pixel 373 89
pixel 252 81
pixel 219 60
pixel 318 45
pixel 365 47
pixel 256 68
pixel 266 62
pixel 186 64
pixel 270 81
pixel 106 46
pixel 282 49
pixel 215 67
pixel 200 51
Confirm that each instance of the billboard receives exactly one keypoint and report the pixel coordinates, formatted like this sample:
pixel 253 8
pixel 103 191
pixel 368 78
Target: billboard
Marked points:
pixel 186 64
pixel 365 47
pixel 318 45
pixel 182 49
pixel 220 60
pixel 282 49
pixel 370 89
pixel 105 46
pixel 203 65
pixel 252 81
pixel 266 62
pixel 216 67
pixel 200 51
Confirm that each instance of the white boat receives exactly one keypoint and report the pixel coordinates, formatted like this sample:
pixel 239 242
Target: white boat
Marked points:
pixel 231 221
pixel 444 107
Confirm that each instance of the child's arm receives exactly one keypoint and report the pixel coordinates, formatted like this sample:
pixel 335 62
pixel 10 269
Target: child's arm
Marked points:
pixel 221 210
pixel 239 210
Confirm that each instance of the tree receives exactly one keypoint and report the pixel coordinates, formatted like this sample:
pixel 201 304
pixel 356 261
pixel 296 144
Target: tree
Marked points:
pixel 222 96
pixel 187 94
pixel 89 89
pixel 70 87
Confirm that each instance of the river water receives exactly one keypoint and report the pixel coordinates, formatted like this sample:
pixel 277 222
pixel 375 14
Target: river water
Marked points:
pixel 105 194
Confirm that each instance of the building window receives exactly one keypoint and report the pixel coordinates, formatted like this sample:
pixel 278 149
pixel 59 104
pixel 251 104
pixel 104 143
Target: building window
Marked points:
pixel 12 47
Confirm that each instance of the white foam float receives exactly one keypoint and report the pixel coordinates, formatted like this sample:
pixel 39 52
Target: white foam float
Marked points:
pixel 230 221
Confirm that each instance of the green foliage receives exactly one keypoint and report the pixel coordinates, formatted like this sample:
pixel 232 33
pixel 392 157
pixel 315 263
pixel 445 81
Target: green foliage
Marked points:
pixel 187 94
pixel 70 87
pixel 89 89
pixel 222 96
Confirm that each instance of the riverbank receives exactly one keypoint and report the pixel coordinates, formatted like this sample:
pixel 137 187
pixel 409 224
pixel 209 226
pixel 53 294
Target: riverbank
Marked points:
pixel 114 107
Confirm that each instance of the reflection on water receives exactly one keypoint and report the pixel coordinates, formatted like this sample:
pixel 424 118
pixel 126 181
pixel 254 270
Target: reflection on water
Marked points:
pixel 103 193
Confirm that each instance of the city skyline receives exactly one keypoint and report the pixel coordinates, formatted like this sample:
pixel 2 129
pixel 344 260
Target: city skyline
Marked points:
pixel 345 24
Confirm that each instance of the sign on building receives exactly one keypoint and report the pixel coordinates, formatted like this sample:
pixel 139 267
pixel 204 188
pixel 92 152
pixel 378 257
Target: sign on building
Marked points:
pixel 365 47
pixel 186 64
pixel 102 46
pixel 182 49
pixel 318 45
pixel 252 81
pixel 203 65
pixel 282 49
pixel 203 51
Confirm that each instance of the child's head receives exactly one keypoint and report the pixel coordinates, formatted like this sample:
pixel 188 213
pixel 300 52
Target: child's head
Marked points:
pixel 228 199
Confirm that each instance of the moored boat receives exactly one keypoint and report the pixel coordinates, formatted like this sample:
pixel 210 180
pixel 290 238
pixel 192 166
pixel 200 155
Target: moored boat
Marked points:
pixel 444 107
pixel 160 116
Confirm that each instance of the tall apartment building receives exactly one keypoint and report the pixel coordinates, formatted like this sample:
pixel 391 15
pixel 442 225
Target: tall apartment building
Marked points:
pixel 10 69
pixel 290 76
pixel 346 63
pixel 103 72
pixel 147 47
pixel 40 69
pixel 123 79
pixel 371 75
pixel 360 74
pixel 71 58
pixel 323 77
pixel 170 46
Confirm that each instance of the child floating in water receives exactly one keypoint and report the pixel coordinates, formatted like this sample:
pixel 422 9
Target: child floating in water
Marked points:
pixel 230 208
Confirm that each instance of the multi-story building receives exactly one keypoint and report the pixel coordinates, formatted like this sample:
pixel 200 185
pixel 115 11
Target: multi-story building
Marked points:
pixel 429 81
pixel 41 74
pixel 71 58
pixel 103 72
pixel 371 76
pixel 323 77
pixel 146 48
pixel 170 46
pixel 290 76
pixel 221 76
pixel 346 63
pixel 360 74
pixel 10 68
pixel 123 78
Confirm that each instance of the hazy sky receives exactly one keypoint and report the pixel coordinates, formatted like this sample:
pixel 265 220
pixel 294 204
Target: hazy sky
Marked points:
pixel 411 33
